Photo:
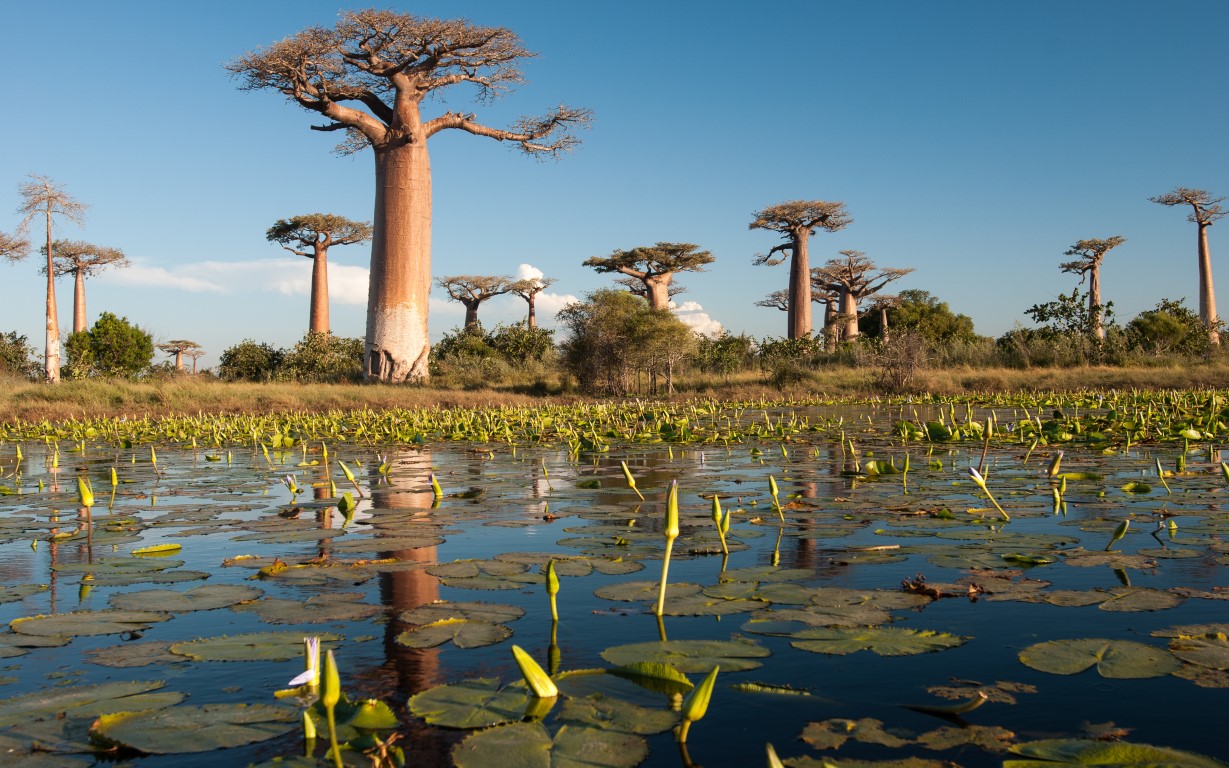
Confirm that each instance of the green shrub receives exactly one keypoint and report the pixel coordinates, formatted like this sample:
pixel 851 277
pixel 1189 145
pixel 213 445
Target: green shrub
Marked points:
pixel 250 361
pixel 113 347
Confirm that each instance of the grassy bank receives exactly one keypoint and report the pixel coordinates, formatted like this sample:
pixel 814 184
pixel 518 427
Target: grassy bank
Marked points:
pixel 20 400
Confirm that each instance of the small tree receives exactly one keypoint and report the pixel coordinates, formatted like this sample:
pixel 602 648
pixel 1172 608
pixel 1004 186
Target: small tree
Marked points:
pixel 1205 211
pixel 311 236
pixel 528 289
pixel 855 277
pixel 796 221
pixel 17 356
pixel 112 347
pixel 82 260
pixel 1091 253
pixel 177 348
pixel 42 198
pixel 653 267
pixel 322 358
pixel 921 311
pixel 1170 327
pixel 249 361
pixel 472 290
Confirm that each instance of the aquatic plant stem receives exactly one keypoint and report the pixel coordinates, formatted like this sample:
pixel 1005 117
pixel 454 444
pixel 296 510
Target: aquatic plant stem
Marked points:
pixel 665 570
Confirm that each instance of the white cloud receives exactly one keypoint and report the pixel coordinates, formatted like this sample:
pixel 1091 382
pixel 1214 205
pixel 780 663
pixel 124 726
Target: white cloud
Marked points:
pixel 529 272
pixel 290 277
pixel 161 278
pixel 691 313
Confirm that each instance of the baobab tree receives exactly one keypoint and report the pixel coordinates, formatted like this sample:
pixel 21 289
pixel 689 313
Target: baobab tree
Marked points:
pixel 318 232
pixel 638 288
pixel 369 76
pixel 528 289
pixel 195 354
pixel 472 290
pixel 180 347
pixel 42 197
pixel 855 277
pixel 1091 253
pixel 880 306
pixel 82 260
pixel 820 294
pixel 654 266
pixel 1205 210
pixel 796 221
pixel 13 247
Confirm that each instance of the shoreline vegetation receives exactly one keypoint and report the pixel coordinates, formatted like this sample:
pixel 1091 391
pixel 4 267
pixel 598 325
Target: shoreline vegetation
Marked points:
pixel 24 401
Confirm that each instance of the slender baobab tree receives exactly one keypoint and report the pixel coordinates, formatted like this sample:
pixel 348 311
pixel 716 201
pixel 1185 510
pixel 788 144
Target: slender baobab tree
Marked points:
pixel 796 221
pixel 855 277
pixel 528 289
pixel 1205 210
pixel 82 260
pixel 195 354
pixel 472 290
pixel 881 305
pixel 318 232
pixel 42 197
pixel 654 266
pixel 369 76
pixel 1091 253
pixel 177 348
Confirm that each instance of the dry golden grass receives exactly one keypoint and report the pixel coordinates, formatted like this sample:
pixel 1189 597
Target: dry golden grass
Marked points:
pixel 21 400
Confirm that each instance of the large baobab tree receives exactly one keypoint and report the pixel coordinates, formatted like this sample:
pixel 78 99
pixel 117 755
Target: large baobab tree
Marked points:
pixel 472 290
pixel 796 221
pixel 1205 210
pixel 855 277
pixel 180 347
pixel 1091 253
pixel 654 266
pixel 821 293
pixel 318 232
pixel 41 197
pixel 82 260
pixel 369 76
pixel 528 289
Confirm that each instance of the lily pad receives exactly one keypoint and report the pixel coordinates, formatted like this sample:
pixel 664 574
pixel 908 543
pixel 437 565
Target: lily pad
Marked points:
pixel 477 703
pixel 885 641
pixel 463 633
pixel 1207 650
pixel 84 623
pixel 74 701
pixel 494 613
pixel 1048 753
pixel 317 609
pixel 694 656
pixel 194 729
pixel 529 745
pixel 15 592
pixel 203 598
pixel 134 655
pixel 646 591
pixel 612 714
pixel 831 734
pixel 1122 659
pixel 254 646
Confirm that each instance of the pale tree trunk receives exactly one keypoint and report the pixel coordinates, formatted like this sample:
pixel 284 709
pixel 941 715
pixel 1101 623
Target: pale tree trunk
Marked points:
pixel 658 289
pixel 831 333
pixel 471 313
pixel 78 301
pixel 318 322
pixel 52 353
pixel 531 321
pixel 397 345
pixel 179 360
pixel 799 287
pixel 1094 303
pixel 883 323
pixel 1207 295
pixel 851 317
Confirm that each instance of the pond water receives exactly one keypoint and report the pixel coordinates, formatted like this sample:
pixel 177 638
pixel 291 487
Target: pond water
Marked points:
pixel 867 592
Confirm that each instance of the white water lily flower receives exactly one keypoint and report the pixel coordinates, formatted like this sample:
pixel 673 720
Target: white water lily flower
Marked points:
pixel 311 652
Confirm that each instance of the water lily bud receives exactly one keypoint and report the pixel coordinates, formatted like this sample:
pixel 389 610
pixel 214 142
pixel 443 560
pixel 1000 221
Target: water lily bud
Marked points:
pixel 631 481
pixel 309 726
pixel 772 486
pixel 696 703
pixel 331 693
pixel 672 512
pixel 85 491
pixel 346 471
pixel 535 677
pixel 552 579
pixel 1224 470
pixel 773 760
pixel 114 478
pixel 1058 459
pixel 717 511
pixel 435 487
pixel 976 477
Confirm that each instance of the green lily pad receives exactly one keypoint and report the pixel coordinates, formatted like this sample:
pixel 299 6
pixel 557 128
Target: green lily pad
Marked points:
pixel 463 633
pixel 494 613
pixel 885 641
pixel 529 745
pixel 15 592
pixel 991 738
pixel 644 591
pixel 662 678
pixel 477 703
pixel 87 623
pixel 1002 692
pixel 194 729
pixel 612 714
pixel 134 655
pixel 1123 659
pixel 1207 650
pixel 831 734
pixel 202 598
pixel 317 609
pixel 1048 753
pixel 71 701
pixel 253 646
pixel 694 656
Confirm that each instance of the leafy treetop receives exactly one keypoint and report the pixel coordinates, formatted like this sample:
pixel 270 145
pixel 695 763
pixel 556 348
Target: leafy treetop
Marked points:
pixel 317 231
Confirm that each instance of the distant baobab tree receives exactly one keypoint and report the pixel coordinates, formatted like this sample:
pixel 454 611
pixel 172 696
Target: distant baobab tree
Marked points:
pixel 654 267
pixel 528 289
pixel 180 347
pixel 880 306
pixel 775 300
pixel 82 260
pixel 368 76
pixel 1205 210
pixel 41 197
pixel 855 277
pixel 1091 253
pixel 796 221
pixel 318 232
pixel 13 247
pixel 472 290
pixel 820 294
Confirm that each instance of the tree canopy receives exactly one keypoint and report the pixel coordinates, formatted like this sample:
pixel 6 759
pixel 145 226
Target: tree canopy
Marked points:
pixel 317 231
pixel 472 290
pixel 654 267
pixel 855 277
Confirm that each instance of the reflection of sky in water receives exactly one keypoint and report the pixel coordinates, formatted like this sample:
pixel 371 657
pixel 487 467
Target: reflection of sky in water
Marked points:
pixel 496 502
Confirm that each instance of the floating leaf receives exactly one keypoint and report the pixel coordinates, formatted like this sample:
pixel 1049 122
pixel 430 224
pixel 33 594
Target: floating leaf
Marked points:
pixel 83 623
pixel 13 593
pixel 494 613
pixel 991 738
pixel 637 591
pixel 470 704
pixel 1112 658
pixel 885 641
pixel 1081 752
pixel 194 729
pixel 529 745
pixel 694 656
pixel 55 702
pixel 1207 650
pixel 662 678
pixel 463 633
pixel 254 646
pixel 134 655
pixel 157 550
pixel 203 598
pixel 831 734
pixel 317 609
pixel 608 713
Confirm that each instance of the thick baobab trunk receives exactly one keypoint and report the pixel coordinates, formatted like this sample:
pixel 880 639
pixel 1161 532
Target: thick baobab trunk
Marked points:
pixel 799 287
pixel 179 360
pixel 849 315
pixel 52 353
pixel 883 324
pixel 658 291
pixel 78 301
pixel 1207 295
pixel 1095 317
pixel 471 314
pixel 531 320
pixel 318 322
pixel 397 345
pixel 832 333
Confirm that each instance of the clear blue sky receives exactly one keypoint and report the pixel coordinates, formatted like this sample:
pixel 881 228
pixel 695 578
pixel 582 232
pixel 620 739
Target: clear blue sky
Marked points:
pixel 974 141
